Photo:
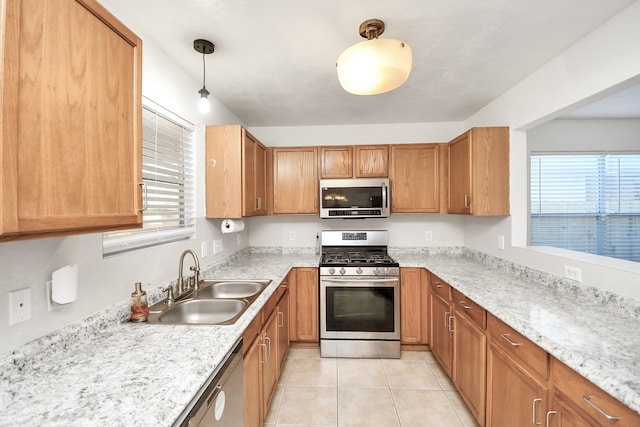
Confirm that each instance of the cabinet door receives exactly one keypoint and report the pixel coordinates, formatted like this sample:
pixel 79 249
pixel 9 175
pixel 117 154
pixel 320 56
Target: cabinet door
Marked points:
pixel 295 181
pixel 371 161
pixel 469 364
pixel 283 329
pixel 270 365
pixel 254 172
pixel 336 162
pixel 415 184
pixel 71 137
pixel 252 384
pixel 413 306
pixel 306 315
pixel 460 175
pixel 514 397
pixel 441 342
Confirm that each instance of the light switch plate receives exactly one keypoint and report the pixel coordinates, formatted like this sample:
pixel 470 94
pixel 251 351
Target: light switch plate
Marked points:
pixel 217 246
pixel 19 306
pixel 204 250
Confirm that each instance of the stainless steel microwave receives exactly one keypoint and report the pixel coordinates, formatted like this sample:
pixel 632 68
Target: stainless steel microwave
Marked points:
pixel 354 198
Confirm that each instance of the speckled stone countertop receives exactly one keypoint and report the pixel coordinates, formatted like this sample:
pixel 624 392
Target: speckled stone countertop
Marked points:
pixel 104 370
pixel 592 331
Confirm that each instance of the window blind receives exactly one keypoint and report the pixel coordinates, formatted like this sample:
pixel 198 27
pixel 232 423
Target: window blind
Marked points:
pixel 168 174
pixel 587 202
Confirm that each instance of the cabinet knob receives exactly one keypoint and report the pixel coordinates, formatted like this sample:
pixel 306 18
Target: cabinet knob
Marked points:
pixel 213 162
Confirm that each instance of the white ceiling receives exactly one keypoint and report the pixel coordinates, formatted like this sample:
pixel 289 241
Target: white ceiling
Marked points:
pixel 274 63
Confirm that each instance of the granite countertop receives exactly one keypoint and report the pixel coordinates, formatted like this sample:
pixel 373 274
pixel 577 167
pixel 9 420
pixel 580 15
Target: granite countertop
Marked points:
pixel 591 331
pixel 106 371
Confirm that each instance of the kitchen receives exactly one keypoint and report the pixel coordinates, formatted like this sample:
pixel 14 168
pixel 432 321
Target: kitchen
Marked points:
pixel 107 281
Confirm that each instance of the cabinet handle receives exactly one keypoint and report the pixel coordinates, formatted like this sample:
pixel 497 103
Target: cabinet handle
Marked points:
pixel 281 316
pixel 438 285
pixel 446 319
pixel 145 197
pixel 467 201
pixel 535 411
pixel 515 344
pixel 258 203
pixel 269 351
pixel 264 353
pixel 594 406
pixel 449 326
pixel 466 307
pixel 549 416
pixel 213 162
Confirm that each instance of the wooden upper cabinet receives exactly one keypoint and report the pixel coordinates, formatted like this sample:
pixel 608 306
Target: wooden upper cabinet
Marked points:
pixel 479 172
pixel 414 176
pixel 71 113
pixel 358 161
pixel 336 162
pixel 236 173
pixel 295 180
pixel 371 161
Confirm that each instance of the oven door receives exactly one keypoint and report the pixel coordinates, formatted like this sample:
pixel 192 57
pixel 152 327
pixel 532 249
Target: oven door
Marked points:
pixel 360 308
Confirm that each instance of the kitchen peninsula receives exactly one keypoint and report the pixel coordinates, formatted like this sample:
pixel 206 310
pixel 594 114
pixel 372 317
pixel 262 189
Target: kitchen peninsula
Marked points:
pixel 109 371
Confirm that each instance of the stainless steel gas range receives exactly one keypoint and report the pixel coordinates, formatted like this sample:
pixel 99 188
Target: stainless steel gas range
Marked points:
pixel 359 296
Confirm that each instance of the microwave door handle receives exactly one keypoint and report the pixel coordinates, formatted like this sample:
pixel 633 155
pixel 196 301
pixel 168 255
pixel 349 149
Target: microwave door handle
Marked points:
pixel 385 199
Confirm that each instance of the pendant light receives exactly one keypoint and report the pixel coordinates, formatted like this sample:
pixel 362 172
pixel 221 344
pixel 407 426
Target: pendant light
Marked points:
pixel 205 47
pixel 376 65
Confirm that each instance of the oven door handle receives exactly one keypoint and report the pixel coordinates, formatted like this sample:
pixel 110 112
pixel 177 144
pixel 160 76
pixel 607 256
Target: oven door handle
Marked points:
pixel 356 278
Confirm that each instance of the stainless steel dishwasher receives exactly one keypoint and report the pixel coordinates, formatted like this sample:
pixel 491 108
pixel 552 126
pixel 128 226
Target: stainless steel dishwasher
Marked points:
pixel 220 405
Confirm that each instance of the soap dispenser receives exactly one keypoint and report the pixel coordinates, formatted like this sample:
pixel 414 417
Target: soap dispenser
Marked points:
pixel 139 305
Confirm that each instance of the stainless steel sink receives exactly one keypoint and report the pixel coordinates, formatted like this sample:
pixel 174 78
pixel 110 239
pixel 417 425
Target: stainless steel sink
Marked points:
pixel 203 312
pixel 230 289
pixel 217 302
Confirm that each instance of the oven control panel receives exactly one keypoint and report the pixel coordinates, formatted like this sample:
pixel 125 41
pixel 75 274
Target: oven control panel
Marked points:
pixel 360 271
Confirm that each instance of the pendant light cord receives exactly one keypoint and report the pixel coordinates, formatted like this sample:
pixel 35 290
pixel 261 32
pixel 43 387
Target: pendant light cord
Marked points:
pixel 204 70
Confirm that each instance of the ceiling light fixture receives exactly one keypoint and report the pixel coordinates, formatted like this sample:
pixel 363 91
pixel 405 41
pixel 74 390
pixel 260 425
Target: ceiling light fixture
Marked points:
pixel 205 47
pixel 376 65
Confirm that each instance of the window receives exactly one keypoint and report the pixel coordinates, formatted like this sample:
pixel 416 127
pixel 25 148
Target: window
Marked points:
pixel 587 202
pixel 168 175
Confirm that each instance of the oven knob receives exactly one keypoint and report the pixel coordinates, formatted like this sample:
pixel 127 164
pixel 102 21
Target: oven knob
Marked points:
pixel 359 270
pixel 376 271
pixel 342 271
pixel 332 271
pixel 387 271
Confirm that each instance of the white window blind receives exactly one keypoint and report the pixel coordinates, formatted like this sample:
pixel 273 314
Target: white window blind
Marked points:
pixel 587 202
pixel 168 144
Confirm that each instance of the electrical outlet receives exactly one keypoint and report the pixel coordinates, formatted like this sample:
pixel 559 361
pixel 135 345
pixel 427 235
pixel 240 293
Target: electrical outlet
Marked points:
pixel 292 235
pixel 19 306
pixel 573 273
pixel 217 246
pixel 204 250
pixel 500 242
pixel 428 236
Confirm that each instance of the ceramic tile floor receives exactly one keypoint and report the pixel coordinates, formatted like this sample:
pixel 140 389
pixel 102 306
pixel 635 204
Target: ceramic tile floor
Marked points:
pixel 412 391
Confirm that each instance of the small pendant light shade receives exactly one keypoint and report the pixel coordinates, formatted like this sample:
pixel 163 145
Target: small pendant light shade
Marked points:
pixel 376 65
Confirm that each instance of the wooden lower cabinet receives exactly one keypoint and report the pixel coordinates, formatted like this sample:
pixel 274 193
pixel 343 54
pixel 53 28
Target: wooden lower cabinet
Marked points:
pixel 252 383
pixel 514 396
pixel 304 305
pixel 265 346
pixel 575 401
pixel 441 341
pixel 413 306
pixel 283 328
pixel 469 363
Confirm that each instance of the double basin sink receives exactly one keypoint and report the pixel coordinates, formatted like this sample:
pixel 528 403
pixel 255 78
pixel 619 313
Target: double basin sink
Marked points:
pixel 217 302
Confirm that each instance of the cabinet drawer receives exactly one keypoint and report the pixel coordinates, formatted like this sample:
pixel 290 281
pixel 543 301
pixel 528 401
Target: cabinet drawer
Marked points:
pixel 251 333
pixel 589 399
pixel 473 311
pixel 518 347
pixel 440 287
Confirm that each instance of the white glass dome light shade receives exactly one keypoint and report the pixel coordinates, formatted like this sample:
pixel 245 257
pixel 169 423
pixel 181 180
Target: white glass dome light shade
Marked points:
pixel 203 105
pixel 374 66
